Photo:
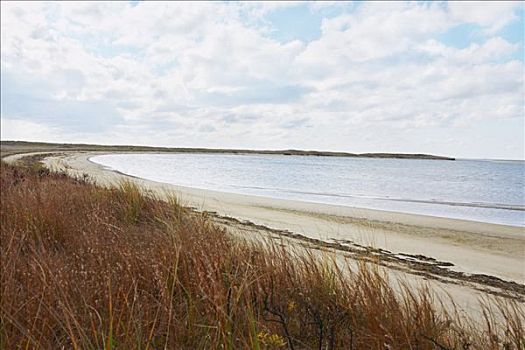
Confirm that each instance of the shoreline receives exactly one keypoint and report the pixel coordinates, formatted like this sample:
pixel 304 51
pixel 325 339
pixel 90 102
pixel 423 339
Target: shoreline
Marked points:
pixel 443 238
pixel 467 244
pixel 373 214
pixel 462 258
pixel 407 218
pixel 372 211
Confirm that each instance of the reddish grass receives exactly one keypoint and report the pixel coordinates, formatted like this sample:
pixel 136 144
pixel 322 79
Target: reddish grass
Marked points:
pixel 91 268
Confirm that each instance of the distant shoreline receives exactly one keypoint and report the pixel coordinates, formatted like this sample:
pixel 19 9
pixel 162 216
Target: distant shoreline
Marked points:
pixel 19 145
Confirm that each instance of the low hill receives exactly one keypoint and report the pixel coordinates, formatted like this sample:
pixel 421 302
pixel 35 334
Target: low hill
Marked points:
pixel 9 147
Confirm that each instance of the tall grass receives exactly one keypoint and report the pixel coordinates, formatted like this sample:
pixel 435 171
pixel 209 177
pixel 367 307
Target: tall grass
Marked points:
pixel 91 268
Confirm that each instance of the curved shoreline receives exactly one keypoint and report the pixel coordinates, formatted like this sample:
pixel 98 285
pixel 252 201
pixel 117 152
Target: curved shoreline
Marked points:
pixel 407 218
pixel 485 205
pixel 472 247
pixel 459 267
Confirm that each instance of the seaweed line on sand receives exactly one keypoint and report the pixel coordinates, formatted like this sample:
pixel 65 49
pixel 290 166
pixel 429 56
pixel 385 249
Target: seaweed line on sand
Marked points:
pixel 414 264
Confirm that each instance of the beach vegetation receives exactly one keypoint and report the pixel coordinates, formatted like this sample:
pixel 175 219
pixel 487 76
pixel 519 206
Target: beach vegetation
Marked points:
pixel 86 267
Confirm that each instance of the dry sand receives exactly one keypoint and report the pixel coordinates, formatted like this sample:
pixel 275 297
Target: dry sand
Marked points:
pixel 463 258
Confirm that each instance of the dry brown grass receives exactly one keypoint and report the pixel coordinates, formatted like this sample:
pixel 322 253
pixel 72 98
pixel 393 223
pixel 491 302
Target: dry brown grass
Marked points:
pixel 91 268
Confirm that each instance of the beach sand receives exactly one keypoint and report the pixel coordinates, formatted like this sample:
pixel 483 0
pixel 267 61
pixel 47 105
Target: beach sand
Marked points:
pixel 462 258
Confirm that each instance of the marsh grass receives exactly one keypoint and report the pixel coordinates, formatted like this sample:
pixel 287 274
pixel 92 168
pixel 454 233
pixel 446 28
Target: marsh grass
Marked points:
pixel 91 268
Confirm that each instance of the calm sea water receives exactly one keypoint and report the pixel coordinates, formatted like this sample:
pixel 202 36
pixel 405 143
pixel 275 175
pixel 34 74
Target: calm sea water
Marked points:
pixel 480 190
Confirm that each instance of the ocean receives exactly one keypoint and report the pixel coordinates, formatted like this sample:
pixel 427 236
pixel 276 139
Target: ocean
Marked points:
pixel 479 190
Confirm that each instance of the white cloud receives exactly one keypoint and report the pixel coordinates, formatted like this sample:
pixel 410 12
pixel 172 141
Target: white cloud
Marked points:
pixel 491 15
pixel 210 74
pixel 19 129
pixel 493 49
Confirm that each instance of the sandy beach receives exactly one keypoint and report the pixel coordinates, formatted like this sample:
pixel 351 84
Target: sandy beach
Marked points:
pixel 462 257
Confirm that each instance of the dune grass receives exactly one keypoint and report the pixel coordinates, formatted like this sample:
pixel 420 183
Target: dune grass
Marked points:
pixel 90 268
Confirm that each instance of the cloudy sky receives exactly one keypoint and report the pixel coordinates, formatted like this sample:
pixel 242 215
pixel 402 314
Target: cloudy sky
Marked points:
pixel 441 78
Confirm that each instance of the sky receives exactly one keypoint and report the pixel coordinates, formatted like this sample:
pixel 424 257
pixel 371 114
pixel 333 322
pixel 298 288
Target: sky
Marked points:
pixel 410 77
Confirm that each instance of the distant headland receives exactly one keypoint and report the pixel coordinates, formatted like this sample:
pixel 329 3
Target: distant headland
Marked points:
pixel 27 146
